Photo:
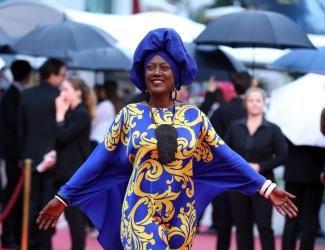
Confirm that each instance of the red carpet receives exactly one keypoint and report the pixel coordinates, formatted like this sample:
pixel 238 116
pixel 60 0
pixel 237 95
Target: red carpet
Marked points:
pixel 61 241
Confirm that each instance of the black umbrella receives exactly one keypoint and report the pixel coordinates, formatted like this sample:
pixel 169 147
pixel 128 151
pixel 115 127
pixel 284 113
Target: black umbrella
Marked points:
pixel 5 41
pixel 4 38
pixel 107 59
pixel 213 61
pixel 254 29
pixel 19 17
pixel 60 38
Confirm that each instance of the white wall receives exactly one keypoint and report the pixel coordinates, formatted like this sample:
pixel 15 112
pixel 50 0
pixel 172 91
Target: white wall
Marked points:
pixel 122 7
pixel 195 4
pixel 71 4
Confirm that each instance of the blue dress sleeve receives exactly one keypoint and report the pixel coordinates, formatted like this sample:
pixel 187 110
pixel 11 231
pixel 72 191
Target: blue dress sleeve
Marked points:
pixel 99 185
pixel 217 168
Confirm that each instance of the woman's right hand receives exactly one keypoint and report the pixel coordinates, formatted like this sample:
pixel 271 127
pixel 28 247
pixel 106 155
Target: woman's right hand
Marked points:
pixel 61 108
pixel 212 84
pixel 50 214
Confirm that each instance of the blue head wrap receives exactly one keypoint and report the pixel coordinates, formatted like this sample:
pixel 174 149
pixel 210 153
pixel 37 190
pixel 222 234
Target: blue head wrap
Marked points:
pixel 166 43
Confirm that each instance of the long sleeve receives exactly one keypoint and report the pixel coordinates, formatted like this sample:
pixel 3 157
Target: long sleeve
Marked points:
pixel 99 185
pixel 217 169
pixel 99 166
pixel 227 169
pixel 279 151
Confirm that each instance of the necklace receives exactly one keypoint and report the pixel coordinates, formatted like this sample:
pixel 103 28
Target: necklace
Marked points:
pixel 166 136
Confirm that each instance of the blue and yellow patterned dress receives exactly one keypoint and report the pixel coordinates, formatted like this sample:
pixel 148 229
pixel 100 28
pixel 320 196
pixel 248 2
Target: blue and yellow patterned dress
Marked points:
pixel 132 198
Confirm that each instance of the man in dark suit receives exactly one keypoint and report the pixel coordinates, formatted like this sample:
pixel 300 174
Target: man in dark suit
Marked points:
pixel 10 149
pixel 39 130
pixel 220 120
pixel 302 178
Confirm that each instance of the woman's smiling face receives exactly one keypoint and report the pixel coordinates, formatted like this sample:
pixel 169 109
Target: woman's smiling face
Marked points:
pixel 69 94
pixel 159 76
pixel 254 103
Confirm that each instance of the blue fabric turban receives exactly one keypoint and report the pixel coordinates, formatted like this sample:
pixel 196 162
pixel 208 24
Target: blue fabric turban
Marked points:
pixel 168 44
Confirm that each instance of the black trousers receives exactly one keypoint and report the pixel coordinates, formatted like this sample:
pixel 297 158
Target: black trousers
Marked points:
pixel 222 220
pixel 42 191
pixel 308 200
pixel 77 223
pixel 12 224
pixel 247 210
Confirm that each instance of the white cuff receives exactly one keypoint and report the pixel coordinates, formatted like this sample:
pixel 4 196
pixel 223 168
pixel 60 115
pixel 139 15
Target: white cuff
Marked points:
pixel 61 200
pixel 269 190
pixel 266 184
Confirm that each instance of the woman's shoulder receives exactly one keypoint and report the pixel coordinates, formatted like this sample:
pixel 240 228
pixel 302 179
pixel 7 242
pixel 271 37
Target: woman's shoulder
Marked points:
pixel 237 124
pixel 273 126
pixel 106 107
pixel 190 109
pixel 146 105
pixel 106 104
pixel 135 106
pixel 133 110
pixel 82 109
pixel 82 113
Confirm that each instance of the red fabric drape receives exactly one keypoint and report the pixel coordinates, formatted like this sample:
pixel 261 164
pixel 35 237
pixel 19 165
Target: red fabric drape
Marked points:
pixel 136 6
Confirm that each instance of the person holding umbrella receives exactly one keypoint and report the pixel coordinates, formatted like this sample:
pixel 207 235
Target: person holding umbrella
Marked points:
pixel 161 162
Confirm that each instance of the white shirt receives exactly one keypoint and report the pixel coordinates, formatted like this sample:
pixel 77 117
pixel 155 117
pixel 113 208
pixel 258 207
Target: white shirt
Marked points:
pixel 105 113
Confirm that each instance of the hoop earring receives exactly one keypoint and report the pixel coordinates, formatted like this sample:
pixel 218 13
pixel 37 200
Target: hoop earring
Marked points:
pixel 147 96
pixel 173 97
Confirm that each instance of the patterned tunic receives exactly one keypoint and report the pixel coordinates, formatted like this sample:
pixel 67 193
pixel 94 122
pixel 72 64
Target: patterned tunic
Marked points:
pixel 160 204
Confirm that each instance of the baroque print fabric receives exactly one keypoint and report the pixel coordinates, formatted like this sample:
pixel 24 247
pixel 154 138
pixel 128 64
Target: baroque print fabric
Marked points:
pixel 161 202
pixel 158 209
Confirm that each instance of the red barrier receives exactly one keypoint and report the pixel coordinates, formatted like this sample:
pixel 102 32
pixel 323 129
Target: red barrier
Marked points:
pixel 13 198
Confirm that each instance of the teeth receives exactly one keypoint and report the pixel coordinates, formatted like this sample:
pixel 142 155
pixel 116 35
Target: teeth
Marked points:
pixel 157 81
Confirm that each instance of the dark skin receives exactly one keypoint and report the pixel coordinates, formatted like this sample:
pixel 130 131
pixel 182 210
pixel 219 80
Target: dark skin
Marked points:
pixel 160 83
pixel 50 214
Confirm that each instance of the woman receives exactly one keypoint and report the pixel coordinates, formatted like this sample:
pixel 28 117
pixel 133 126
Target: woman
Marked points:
pixel 75 107
pixel 262 144
pixel 138 185
pixel 108 105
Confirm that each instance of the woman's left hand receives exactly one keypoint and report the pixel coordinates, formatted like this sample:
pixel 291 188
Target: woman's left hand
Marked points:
pixel 280 199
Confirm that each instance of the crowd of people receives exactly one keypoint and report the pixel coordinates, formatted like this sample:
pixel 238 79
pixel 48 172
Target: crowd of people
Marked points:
pixel 57 124
pixel 242 124
pixel 58 115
